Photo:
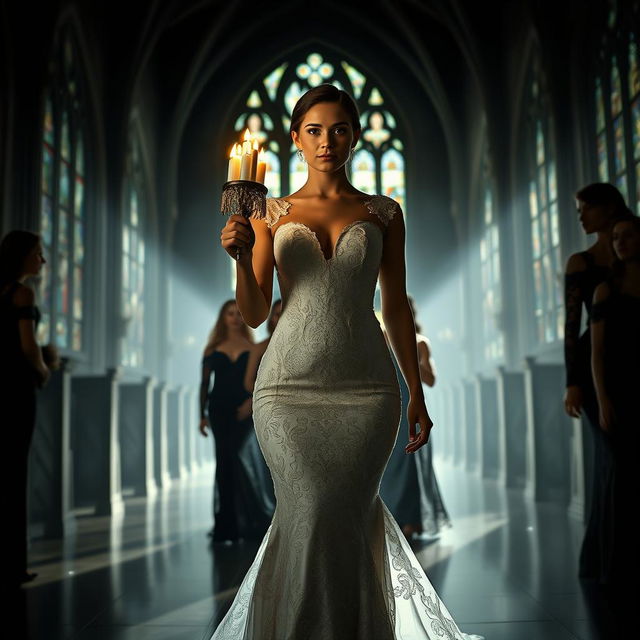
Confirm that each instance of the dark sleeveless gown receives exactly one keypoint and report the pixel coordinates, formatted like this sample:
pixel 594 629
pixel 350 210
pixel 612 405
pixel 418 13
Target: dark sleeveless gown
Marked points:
pixel 409 486
pixel 18 400
pixel 579 289
pixel 621 314
pixel 243 502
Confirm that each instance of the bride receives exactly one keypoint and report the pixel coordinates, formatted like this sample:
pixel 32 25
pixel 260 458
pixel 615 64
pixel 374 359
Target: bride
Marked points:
pixel 333 565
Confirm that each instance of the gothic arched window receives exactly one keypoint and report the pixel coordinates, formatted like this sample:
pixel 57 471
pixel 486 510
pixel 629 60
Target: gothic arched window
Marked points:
pixel 133 256
pixel 490 268
pixel 617 102
pixel 378 164
pixel 63 215
pixel 544 217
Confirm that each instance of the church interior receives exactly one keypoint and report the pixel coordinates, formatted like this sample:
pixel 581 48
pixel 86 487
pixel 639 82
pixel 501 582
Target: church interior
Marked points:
pixel 481 119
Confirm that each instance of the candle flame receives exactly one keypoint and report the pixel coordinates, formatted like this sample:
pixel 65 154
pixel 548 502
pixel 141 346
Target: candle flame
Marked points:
pixel 232 153
pixel 261 155
pixel 255 145
pixel 247 135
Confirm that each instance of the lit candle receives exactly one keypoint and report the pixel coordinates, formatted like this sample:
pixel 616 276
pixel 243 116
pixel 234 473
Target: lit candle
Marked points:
pixel 234 164
pixel 247 145
pixel 254 160
pixel 262 167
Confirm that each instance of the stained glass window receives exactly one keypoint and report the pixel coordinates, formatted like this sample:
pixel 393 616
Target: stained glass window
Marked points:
pixel 617 104
pixel 133 257
pixel 363 171
pixel 544 221
pixel 63 209
pixel 393 175
pixel 378 163
pixel 490 269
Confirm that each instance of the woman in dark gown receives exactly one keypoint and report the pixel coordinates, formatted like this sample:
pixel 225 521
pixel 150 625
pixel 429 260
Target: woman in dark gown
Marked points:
pixel 409 486
pixel 22 370
pixel 242 505
pixel 615 327
pixel 599 206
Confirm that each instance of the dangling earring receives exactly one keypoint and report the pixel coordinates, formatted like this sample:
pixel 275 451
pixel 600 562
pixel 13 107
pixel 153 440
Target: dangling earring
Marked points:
pixel 300 155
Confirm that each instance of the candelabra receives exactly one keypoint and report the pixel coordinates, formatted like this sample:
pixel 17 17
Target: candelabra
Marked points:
pixel 246 198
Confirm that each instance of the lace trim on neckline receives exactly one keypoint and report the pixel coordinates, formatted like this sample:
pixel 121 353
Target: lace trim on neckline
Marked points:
pixel 383 207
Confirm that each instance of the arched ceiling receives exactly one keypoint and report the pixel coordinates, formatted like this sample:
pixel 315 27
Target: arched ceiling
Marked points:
pixel 191 44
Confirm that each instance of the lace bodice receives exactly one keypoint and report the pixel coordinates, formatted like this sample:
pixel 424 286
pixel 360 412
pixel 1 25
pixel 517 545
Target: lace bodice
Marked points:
pixel 381 206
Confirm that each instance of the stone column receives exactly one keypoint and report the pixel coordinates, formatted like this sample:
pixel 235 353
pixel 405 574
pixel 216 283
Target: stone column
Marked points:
pixel 160 437
pixel 471 426
pixel 136 437
pixel 453 427
pixel 512 428
pixel 548 432
pixel 95 442
pixel 50 488
pixel 487 431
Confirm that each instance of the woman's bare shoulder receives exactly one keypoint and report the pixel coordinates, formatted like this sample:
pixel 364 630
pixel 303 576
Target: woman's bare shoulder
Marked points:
pixel 24 296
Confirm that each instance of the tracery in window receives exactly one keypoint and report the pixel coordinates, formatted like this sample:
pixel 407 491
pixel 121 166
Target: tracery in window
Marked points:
pixel 544 218
pixel 63 207
pixel 490 269
pixel 617 102
pixel 133 257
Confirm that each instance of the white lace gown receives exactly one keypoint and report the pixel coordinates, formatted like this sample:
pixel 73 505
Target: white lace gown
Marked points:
pixel 333 565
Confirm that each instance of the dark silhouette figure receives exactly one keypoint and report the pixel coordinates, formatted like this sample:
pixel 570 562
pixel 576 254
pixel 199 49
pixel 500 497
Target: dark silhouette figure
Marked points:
pixel 615 328
pixel 22 370
pixel 242 508
pixel 409 486
pixel 599 205
pixel 258 350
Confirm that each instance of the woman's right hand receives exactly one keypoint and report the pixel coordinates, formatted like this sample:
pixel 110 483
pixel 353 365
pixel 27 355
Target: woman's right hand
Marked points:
pixel 236 235
pixel 43 376
pixel 573 401
pixel 204 423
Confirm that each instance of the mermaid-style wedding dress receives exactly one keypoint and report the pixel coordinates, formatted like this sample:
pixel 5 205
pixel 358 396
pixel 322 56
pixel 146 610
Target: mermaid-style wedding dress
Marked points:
pixel 333 565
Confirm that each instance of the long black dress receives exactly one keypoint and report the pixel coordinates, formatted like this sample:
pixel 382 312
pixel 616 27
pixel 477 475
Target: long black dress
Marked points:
pixel 18 400
pixel 409 486
pixel 243 501
pixel 579 289
pixel 621 314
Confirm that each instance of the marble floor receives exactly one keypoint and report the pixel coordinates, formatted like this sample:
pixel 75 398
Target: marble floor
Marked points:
pixel 506 570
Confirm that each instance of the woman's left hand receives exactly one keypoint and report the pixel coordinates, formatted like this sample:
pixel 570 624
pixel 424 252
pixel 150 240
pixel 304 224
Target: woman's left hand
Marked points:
pixel 417 414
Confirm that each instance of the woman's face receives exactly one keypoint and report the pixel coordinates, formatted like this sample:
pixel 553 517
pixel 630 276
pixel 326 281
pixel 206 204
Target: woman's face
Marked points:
pixel 33 262
pixel 593 217
pixel 326 137
pixel 233 318
pixel 626 241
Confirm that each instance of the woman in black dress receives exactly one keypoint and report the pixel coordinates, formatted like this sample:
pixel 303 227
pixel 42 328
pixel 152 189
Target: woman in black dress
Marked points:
pixel 22 369
pixel 599 206
pixel 409 486
pixel 241 509
pixel 615 337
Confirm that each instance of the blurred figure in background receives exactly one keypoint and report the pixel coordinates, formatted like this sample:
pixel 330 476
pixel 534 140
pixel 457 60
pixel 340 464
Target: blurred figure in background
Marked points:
pixel 22 370
pixel 615 337
pixel 409 486
pixel 239 508
pixel 259 349
pixel 599 206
